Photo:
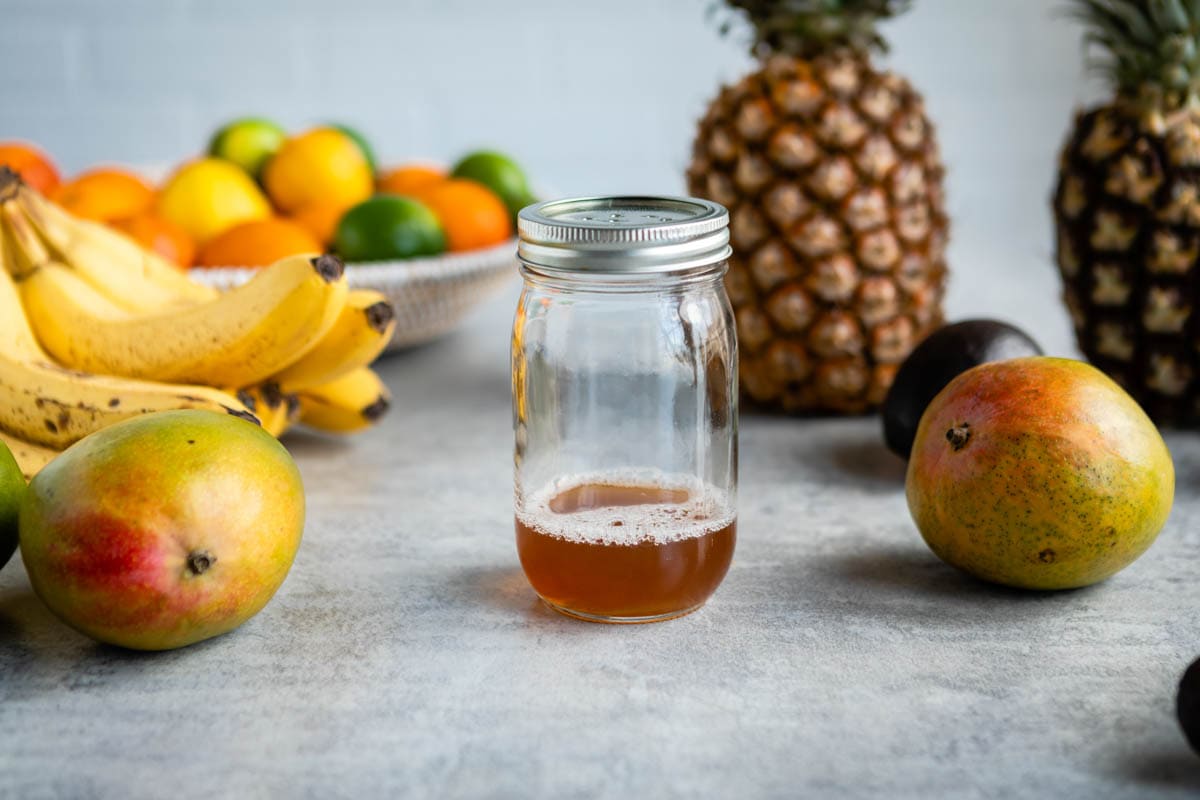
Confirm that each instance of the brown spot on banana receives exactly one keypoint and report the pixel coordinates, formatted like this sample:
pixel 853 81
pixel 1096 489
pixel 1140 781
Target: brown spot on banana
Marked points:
pixel 242 414
pixel 10 183
pixel 376 410
pixel 380 315
pixel 329 267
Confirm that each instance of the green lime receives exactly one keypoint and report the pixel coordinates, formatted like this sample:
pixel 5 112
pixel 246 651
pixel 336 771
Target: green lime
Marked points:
pixel 389 226
pixel 12 489
pixel 248 142
pixel 499 173
pixel 360 140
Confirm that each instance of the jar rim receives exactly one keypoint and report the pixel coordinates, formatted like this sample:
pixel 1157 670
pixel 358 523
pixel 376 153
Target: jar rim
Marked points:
pixel 623 234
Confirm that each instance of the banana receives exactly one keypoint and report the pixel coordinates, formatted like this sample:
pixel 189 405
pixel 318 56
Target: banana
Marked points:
pixel 125 272
pixel 26 252
pixel 347 404
pixel 241 338
pixel 46 404
pixel 30 457
pixel 276 409
pixel 360 334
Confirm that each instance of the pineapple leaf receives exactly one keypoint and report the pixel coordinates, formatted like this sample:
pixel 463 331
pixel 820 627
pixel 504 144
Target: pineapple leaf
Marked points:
pixel 808 28
pixel 1148 49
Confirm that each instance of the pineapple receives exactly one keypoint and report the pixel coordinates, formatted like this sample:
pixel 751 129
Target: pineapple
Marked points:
pixel 831 174
pixel 1127 206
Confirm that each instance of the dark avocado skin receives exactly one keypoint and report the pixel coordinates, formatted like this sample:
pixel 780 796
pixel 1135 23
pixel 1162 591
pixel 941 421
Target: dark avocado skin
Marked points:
pixel 945 354
pixel 1187 705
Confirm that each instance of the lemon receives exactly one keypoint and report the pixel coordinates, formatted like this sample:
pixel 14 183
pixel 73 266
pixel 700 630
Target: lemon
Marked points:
pixel 12 489
pixel 389 226
pixel 248 142
pixel 324 165
pixel 209 196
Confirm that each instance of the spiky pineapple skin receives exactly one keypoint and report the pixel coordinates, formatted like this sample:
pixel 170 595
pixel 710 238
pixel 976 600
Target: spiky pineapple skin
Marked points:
pixel 1127 212
pixel 832 176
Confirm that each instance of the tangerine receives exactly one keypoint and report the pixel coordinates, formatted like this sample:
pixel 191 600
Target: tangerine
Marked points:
pixel 411 179
pixel 321 219
pixel 160 235
pixel 34 166
pixel 257 243
pixel 105 194
pixel 324 165
pixel 472 215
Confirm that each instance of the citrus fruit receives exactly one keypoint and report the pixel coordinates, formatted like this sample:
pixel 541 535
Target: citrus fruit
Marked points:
pixel 211 195
pixel 105 194
pixel 323 164
pixel 160 235
pixel 471 214
pixel 499 173
pixel 363 145
pixel 12 489
pixel 321 219
pixel 248 142
pixel 257 243
pixel 34 166
pixel 389 226
pixel 410 179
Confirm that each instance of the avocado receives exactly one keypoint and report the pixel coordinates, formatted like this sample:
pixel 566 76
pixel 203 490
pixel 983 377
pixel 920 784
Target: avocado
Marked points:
pixel 1187 705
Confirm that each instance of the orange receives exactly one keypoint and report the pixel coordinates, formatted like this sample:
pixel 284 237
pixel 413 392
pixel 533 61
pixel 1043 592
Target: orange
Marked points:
pixel 321 219
pixel 160 235
pixel 257 243
pixel 471 214
pixel 34 166
pixel 323 165
pixel 106 194
pixel 410 179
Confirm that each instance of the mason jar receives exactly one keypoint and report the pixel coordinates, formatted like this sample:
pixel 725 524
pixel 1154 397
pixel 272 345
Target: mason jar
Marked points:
pixel 624 370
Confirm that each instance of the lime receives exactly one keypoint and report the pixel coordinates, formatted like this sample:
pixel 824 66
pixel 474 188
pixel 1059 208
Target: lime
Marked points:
pixel 12 489
pixel 389 226
pixel 360 140
pixel 248 142
pixel 499 173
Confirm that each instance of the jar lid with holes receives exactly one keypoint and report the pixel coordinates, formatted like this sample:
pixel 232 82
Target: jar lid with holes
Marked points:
pixel 623 235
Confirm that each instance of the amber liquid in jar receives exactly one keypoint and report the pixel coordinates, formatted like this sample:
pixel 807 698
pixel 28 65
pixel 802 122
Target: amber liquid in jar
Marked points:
pixel 626 547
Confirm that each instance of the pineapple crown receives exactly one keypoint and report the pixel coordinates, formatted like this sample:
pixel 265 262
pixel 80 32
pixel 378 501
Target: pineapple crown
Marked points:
pixel 808 28
pixel 1151 50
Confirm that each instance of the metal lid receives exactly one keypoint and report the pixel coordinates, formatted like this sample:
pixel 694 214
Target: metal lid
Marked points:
pixel 623 235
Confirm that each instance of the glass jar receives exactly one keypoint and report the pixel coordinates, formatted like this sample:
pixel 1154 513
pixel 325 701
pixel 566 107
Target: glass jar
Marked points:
pixel 624 368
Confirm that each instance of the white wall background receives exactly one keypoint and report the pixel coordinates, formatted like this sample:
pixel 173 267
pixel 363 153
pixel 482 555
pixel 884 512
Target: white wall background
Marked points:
pixel 590 96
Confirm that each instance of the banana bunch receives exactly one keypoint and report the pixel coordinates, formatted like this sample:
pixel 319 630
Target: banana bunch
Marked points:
pixel 94 329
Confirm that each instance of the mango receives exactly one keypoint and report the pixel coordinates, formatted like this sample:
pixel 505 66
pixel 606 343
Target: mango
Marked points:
pixel 163 530
pixel 1038 473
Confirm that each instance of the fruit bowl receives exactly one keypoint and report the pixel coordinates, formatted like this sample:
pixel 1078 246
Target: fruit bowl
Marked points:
pixel 431 295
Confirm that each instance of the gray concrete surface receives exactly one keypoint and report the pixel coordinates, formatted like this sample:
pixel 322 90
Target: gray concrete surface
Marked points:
pixel 407 657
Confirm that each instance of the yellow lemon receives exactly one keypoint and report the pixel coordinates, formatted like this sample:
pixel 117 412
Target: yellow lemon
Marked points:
pixel 209 196
pixel 323 165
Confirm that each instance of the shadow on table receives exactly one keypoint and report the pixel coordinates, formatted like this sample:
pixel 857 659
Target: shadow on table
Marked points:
pixel 302 441
pixel 908 582
pixel 500 588
pixel 19 609
pixel 857 453
pixel 1176 769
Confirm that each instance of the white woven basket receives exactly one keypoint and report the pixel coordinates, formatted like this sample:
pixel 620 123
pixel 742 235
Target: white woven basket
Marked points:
pixel 431 295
